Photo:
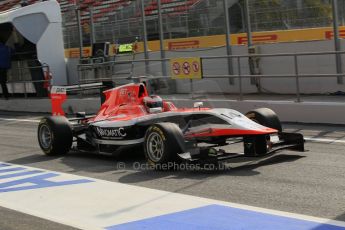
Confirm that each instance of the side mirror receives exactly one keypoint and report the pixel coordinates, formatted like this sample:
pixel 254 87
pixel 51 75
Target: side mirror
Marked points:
pixel 198 104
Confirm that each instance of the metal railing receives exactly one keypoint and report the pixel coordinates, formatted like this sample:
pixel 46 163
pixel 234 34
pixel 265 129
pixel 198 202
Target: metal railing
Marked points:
pixel 110 72
pixel 296 73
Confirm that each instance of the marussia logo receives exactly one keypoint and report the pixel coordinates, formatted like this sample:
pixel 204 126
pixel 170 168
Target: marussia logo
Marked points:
pixel 60 90
pixel 120 132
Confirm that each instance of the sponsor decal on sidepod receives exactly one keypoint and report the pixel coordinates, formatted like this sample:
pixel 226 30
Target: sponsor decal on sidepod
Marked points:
pixel 120 132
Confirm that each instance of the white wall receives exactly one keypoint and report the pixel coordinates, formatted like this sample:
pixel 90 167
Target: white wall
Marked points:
pixel 40 23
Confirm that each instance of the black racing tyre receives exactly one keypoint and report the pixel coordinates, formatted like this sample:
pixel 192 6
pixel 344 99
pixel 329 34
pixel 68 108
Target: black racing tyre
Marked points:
pixel 163 141
pixel 265 117
pixel 55 135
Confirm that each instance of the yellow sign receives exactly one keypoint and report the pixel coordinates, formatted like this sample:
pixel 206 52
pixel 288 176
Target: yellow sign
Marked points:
pixel 186 68
pixel 125 48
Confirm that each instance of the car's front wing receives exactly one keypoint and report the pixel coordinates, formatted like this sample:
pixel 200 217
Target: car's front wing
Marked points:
pixel 254 146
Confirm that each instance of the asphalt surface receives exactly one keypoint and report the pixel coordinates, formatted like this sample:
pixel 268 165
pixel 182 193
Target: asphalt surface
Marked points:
pixel 310 183
pixel 12 220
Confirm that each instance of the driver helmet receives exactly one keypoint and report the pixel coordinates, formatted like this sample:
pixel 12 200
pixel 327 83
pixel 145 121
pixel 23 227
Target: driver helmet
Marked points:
pixel 153 102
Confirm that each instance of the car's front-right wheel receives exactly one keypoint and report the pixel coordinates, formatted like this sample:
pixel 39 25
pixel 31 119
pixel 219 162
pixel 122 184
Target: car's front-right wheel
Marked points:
pixel 265 117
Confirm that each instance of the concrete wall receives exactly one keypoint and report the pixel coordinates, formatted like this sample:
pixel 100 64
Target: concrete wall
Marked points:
pixel 323 64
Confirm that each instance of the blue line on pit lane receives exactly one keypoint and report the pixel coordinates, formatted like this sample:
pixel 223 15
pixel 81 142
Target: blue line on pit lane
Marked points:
pixel 20 174
pixel 11 170
pixel 33 182
pixel 223 218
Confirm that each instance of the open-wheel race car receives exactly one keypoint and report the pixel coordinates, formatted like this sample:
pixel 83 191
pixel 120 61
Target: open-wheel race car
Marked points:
pixel 129 117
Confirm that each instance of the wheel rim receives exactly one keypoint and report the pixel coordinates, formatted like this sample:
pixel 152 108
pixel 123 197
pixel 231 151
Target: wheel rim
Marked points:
pixel 155 147
pixel 45 135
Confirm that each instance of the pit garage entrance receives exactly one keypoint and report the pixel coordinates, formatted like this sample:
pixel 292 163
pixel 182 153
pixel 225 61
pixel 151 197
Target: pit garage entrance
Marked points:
pixel 34 32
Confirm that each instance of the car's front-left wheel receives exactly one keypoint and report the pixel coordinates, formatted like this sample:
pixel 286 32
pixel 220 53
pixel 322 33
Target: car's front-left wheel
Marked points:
pixel 55 135
pixel 163 141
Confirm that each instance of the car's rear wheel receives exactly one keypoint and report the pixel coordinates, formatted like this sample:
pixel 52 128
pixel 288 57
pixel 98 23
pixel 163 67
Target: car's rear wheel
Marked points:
pixel 163 141
pixel 265 117
pixel 55 135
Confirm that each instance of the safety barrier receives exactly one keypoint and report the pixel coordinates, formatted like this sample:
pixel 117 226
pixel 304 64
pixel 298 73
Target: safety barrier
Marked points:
pixel 297 75
pixel 107 71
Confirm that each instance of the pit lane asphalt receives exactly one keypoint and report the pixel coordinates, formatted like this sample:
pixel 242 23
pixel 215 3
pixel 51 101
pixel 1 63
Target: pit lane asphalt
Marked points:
pixel 309 183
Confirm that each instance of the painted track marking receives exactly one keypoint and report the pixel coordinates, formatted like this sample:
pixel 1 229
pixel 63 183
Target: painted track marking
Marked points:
pixel 109 205
pixel 20 120
pixel 324 140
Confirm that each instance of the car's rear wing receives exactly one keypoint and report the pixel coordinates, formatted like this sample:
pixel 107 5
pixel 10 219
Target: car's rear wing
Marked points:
pixel 58 94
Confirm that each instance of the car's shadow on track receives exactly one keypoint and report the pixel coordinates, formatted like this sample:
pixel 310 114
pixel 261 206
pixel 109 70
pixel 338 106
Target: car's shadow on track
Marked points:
pixel 75 162
pixel 246 168
pixel 250 166
pixel 31 159
pixel 91 162
pixel 129 165
pixel 340 217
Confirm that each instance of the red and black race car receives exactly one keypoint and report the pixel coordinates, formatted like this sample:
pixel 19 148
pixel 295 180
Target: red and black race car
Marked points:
pixel 129 116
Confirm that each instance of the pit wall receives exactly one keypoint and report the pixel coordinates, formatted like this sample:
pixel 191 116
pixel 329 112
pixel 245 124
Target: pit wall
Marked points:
pixel 321 64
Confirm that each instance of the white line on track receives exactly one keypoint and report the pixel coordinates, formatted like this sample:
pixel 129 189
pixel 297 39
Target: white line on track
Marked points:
pixel 20 120
pixel 324 140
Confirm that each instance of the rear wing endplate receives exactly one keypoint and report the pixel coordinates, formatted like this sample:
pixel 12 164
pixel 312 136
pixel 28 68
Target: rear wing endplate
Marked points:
pixel 58 95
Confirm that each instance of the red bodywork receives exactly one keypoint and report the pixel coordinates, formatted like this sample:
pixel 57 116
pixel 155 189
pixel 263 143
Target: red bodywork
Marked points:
pixel 128 100
pixel 126 103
